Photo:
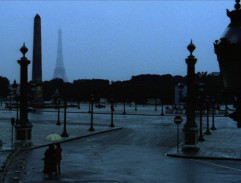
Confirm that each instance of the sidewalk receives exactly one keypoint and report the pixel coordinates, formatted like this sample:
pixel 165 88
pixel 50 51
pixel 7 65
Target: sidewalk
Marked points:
pixel 17 162
pixel 223 144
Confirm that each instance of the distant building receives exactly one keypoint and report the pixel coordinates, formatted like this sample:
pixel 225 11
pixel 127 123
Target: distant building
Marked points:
pixel 153 101
pixel 215 73
pixel 177 94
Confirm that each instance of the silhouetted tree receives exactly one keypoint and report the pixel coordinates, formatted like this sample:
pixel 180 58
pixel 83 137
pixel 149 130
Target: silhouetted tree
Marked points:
pixel 4 87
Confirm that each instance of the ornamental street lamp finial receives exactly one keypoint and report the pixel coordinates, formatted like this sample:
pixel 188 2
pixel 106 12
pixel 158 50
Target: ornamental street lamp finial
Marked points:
pixel 237 5
pixel 24 50
pixel 191 47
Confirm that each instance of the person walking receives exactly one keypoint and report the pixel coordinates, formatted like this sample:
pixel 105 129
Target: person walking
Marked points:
pixel 49 161
pixel 58 154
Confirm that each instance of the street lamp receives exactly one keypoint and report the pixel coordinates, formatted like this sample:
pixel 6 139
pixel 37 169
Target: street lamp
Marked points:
pixel 12 123
pixel 23 128
pixel 91 114
pixel 112 113
pixel 124 109
pixel 162 113
pixel 190 128
pixel 17 106
pixel 155 104
pixel 213 114
pixel 201 89
pixel 33 89
pixel 225 103
pixel 14 86
pixel 227 49
pixel 208 110
pixel 135 105
pixel 58 108
pixel 57 101
pixel 89 106
pixel 65 134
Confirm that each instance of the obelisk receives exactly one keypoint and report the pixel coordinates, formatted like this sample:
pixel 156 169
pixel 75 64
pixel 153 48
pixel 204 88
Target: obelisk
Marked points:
pixel 36 84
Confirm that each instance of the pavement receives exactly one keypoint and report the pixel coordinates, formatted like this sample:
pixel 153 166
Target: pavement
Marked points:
pixel 16 169
pixel 224 144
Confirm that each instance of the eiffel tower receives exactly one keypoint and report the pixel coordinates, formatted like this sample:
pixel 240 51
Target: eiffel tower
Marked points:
pixel 59 71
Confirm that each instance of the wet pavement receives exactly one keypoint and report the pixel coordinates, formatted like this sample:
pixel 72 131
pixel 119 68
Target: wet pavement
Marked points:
pixel 223 143
pixel 135 153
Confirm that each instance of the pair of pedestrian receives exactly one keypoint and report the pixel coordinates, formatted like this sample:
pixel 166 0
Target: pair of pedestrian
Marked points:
pixel 52 159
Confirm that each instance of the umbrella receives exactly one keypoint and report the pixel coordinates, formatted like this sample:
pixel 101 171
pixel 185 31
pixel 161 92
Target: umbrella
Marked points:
pixel 53 137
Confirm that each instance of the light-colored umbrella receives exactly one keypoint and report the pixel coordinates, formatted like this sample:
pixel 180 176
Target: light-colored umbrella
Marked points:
pixel 53 137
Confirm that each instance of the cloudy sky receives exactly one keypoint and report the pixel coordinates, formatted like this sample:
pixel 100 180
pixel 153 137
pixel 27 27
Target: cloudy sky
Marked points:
pixel 113 40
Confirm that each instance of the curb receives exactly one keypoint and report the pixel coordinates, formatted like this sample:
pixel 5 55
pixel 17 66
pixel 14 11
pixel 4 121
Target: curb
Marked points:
pixel 171 153
pixel 201 157
pixel 75 138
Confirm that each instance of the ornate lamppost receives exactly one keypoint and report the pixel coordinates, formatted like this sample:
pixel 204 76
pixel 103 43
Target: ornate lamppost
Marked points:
pixel 227 49
pixel 190 128
pixel 23 128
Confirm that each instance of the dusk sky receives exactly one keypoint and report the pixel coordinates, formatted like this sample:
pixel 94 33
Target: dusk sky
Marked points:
pixel 113 40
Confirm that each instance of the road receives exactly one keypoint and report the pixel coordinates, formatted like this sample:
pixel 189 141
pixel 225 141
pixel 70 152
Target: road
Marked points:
pixel 137 153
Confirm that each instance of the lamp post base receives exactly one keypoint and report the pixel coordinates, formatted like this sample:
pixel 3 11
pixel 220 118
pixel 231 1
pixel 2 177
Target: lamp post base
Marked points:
pixel 58 123
pixel 191 140
pixel 91 129
pixel 208 132
pixel 190 148
pixel 23 135
pixel 201 139
pixel 112 125
pixel 65 134
pixel 213 128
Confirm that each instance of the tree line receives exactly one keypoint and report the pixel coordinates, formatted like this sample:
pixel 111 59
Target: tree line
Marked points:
pixel 138 89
